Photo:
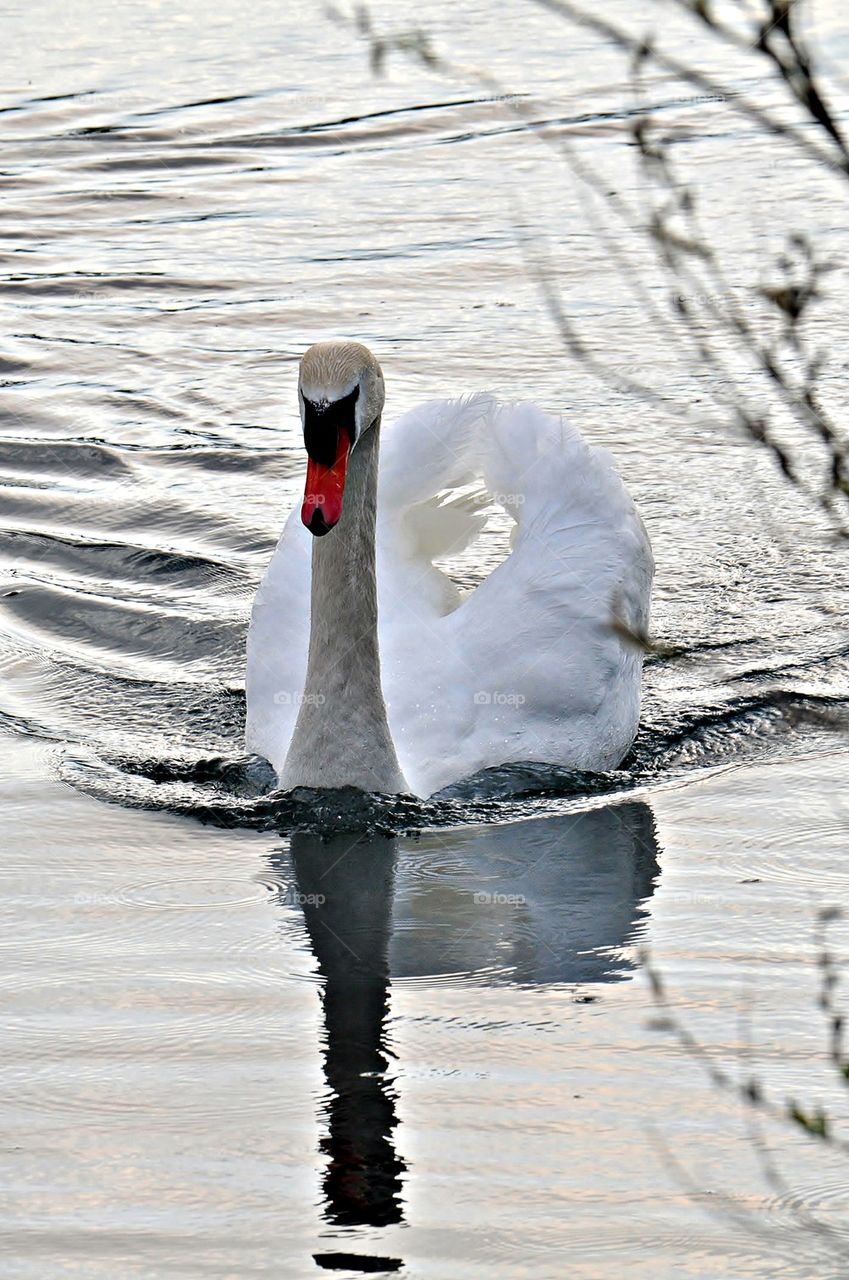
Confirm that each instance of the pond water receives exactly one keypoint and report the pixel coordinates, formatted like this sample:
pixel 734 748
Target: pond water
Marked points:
pixel 421 1039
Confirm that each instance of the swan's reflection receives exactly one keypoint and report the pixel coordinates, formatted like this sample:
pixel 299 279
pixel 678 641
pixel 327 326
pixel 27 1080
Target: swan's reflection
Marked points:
pixel 552 900
pixel 345 888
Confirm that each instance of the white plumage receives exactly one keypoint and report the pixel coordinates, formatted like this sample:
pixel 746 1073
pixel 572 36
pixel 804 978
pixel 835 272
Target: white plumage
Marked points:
pixel 529 666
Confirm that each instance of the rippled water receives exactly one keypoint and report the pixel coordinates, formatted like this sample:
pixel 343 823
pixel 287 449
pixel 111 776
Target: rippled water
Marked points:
pixel 409 1032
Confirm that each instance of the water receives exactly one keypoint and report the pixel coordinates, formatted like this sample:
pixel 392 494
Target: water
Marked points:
pixel 408 1036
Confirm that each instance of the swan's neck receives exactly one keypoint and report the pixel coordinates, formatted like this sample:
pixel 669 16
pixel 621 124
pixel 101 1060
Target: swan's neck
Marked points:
pixel 342 736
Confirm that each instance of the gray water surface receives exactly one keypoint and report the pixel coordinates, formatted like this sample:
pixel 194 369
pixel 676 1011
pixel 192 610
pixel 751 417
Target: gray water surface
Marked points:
pixel 431 1048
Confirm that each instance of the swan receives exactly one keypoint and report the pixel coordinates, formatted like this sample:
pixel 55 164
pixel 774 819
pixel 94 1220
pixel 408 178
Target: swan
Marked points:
pixel 368 668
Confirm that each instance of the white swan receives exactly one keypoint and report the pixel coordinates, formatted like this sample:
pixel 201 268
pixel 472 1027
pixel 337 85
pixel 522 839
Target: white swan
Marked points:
pixel 526 667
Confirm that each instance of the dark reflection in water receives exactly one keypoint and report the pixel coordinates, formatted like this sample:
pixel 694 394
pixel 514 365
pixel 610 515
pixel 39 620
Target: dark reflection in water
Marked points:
pixel 345 888
pixel 552 901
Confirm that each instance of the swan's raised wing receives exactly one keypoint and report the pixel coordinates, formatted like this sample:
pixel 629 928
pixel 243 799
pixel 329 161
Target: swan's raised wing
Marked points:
pixel 529 666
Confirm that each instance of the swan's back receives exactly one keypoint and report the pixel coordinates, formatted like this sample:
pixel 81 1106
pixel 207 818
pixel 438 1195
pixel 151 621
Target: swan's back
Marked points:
pixel 530 665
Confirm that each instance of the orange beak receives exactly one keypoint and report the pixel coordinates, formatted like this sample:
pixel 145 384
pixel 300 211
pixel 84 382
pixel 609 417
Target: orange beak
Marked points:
pixel 325 489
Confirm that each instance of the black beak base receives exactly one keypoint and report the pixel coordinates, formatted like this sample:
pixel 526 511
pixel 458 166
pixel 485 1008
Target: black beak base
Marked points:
pixel 322 424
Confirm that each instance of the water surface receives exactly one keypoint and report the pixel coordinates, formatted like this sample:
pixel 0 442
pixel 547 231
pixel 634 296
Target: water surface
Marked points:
pixel 230 1050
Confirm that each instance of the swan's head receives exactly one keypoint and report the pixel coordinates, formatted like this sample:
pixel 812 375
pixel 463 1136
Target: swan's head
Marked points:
pixel 340 391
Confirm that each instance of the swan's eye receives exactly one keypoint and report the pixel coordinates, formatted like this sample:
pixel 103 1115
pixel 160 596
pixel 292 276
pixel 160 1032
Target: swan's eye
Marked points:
pixel 324 420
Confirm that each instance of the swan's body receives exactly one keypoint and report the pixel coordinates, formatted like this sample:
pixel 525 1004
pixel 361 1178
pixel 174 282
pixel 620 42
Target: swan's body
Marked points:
pixel 527 667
